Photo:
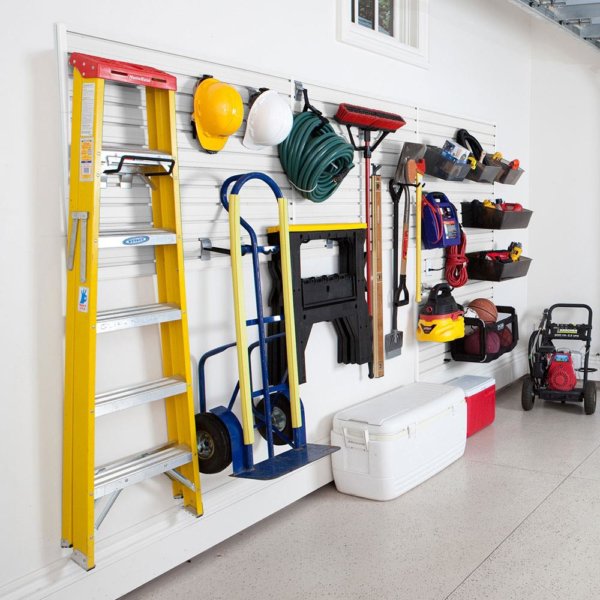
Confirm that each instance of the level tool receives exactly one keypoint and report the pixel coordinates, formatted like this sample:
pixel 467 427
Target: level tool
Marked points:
pixel 376 283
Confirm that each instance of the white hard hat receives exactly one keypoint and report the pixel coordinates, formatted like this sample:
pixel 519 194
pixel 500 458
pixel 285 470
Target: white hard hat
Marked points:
pixel 269 121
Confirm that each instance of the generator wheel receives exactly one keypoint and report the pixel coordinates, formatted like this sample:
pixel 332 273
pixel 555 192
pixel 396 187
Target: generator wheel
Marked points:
pixel 214 443
pixel 527 395
pixel 589 398
pixel 281 418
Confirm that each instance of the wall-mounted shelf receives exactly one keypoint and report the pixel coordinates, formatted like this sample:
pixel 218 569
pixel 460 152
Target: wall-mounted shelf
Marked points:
pixel 483 217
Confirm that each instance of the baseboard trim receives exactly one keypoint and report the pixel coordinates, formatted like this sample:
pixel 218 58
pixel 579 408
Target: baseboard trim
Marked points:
pixel 168 539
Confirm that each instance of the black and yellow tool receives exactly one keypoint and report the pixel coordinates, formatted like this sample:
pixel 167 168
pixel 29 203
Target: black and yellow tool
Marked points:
pixel 84 483
pixel 512 254
pixel 441 318
pixel 515 250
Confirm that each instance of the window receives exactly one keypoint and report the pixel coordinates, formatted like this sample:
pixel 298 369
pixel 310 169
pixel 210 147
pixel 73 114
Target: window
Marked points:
pixel 395 28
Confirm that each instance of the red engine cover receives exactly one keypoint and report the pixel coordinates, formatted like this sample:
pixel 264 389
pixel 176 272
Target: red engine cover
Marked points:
pixel 561 374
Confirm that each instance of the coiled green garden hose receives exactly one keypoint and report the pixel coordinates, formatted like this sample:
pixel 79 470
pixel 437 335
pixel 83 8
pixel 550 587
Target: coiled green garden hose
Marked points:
pixel 314 157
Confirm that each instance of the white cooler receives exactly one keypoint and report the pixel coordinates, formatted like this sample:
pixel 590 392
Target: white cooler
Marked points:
pixel 395 441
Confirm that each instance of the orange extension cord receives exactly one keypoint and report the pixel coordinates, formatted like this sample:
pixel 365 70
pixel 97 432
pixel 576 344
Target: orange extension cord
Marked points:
pixel 456 263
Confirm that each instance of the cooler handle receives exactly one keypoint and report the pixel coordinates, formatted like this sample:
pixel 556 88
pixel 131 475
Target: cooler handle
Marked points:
pixel 356 438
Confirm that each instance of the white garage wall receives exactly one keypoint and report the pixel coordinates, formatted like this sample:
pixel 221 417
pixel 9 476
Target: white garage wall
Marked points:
pixel 474 71
pixel 565 151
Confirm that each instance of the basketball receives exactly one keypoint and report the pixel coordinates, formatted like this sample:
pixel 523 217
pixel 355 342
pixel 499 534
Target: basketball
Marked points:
pixel 472 346
pixel 486 310
pixel 506 337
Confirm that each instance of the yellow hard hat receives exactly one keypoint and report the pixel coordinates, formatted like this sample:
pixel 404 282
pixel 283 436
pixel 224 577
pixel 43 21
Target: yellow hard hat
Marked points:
pixel 218 112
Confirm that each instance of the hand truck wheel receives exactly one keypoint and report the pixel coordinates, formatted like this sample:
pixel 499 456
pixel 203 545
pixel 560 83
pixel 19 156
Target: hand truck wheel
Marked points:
pixel 214 443
pixel 281 419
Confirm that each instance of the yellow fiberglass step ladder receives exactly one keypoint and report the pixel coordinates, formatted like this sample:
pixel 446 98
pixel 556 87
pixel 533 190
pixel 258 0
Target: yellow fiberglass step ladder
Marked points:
pixel 84 483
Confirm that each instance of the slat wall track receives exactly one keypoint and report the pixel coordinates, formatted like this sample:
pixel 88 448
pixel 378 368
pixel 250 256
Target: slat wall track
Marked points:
pixel 435 128
pixel 201 174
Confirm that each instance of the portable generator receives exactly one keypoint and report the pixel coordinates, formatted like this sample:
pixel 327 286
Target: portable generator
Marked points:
pixel 561 373
pixel 552 374
pixel 439 220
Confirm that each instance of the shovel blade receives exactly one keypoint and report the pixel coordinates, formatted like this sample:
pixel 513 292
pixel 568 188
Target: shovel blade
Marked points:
pixel 410 151
pixel 393 344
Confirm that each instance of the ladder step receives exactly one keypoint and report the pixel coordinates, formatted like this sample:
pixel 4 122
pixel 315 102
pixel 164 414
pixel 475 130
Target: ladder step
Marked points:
pixel 136 237
pixel 144 393
pixel 137 316
pixel 139 467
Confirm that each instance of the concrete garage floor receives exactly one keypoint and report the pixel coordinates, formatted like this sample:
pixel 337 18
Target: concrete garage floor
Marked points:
pixel 517 517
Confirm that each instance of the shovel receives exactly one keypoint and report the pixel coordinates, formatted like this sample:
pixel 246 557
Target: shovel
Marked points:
pixel 400 295
pixel 409 164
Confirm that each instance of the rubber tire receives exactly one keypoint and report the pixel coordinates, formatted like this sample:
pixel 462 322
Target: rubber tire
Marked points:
pixel 589 398
pixel 215 453
pixel 280 407
pixel 527 395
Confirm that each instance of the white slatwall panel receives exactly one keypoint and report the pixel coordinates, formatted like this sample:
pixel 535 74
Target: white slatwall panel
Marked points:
pixel 201 174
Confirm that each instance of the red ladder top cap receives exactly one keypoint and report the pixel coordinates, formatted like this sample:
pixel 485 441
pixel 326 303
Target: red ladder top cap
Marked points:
pixel 115 70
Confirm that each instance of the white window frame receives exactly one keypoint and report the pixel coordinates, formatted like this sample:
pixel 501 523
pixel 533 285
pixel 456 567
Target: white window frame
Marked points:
pixel 382 43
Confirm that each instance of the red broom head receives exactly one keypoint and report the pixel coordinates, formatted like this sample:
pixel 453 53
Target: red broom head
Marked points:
pixel 368 118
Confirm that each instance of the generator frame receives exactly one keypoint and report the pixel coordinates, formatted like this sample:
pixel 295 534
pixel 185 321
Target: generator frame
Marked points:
pixel 541 346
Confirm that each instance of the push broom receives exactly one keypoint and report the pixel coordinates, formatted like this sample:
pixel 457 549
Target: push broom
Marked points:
pixel 368 120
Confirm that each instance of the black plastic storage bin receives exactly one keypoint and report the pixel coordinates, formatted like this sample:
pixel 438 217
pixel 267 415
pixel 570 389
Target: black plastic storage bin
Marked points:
pixel 475 349
pixel 484 173
pixel 479 267
pixel 477 215
pixel 506 175
pixel 439 164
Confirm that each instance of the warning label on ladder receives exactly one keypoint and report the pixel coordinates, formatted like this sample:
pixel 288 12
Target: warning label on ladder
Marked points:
pixel 87 110
pixel 86 146
pixel 84 294
pixel 86 153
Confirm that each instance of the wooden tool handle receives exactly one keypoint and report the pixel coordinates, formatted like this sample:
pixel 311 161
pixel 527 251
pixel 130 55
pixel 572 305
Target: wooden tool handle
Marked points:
pixel 376 277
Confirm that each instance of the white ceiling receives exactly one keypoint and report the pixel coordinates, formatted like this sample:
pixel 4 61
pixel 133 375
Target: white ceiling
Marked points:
pixel 578 17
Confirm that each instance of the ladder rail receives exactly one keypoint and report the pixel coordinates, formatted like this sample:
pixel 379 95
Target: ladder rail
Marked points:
pixel 84 196
pixel 166 213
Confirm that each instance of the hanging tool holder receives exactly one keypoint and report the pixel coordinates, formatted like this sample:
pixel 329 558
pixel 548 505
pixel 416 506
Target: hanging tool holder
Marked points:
pixel 476 214
pixel 482 349
pixel 338 298
pixel 483 266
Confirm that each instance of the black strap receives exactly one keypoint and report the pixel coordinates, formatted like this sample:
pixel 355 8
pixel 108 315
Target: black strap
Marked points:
pixel 465 139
